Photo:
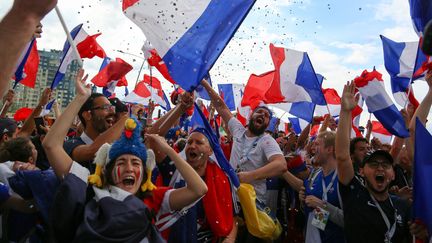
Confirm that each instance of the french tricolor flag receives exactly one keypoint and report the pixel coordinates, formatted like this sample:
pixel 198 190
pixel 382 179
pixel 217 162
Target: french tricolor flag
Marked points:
pixel 421 14
pixel 333 103
pixel 378 131
pixel 146 90
pixel 157 93
pixel 303 109
pixel 112 74
pixel 371 88
pixel 401 60
pixel 47 108
pixel 87 48
pixel 188 35
pixel 26 71
pixel 294 79
pixel 232 94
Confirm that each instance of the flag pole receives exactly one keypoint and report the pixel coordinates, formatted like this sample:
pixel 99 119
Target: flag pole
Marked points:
pixel 69 37
pixel 408 94
pixel 139 73
pixel 4 106
pixel 328 108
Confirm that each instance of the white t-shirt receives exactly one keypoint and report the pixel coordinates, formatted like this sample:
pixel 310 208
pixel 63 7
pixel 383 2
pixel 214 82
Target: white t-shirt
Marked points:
pixel 251 153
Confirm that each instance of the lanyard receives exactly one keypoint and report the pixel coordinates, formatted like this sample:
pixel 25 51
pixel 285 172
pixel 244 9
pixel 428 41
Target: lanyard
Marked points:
pixel 390 230
pixel 245 155
pixel 329 186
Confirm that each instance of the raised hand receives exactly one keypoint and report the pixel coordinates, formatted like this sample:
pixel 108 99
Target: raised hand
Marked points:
pixel 45 97
pixel 81 88
pixel 348 100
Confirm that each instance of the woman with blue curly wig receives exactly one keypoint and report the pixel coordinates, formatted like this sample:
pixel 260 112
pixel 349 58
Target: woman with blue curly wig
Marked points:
pixel 112 209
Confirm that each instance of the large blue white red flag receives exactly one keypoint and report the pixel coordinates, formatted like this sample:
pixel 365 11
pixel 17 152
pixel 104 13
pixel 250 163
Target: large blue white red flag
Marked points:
pixel 371 88
pixel 28 65
pixel 402 60
pixel 294 79
pixel 188 35
pixel 422 184
pixel 421 14
pixel 87 48
pixel 232 94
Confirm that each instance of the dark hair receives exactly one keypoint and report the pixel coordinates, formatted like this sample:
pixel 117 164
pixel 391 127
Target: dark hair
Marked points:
pixel 354 141
pixel 119 105
pixel 17 149
pixel 87 106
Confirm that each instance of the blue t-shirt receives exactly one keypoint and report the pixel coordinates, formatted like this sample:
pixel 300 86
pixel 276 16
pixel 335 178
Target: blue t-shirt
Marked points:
pixel 332 232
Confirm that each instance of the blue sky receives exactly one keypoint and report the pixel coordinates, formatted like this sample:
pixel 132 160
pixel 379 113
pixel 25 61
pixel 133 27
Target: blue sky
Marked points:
pixel 341 37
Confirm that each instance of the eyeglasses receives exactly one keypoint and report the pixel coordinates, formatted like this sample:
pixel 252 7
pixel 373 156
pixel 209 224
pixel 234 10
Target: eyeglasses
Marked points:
pixel 375 165
pixel 105 107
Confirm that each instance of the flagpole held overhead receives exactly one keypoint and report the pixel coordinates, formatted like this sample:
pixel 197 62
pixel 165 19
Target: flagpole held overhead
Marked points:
pixel 69 37
pixel 139 73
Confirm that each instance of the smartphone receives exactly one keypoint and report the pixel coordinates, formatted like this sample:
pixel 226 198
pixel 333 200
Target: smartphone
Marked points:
pixel 39 121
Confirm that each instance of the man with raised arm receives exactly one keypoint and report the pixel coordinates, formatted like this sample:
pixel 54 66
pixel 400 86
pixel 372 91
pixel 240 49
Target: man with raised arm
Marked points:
pixel 254 154
pixel 371 214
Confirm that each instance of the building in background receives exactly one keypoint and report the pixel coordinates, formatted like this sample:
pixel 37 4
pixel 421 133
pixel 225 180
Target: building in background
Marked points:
pixel 48 65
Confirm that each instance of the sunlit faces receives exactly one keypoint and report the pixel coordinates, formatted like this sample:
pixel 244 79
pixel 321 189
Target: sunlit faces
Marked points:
pixel 197 150
pixel 321 152
pixel 378 173
pixel 102 114
pixel 259 121
pixel 127 173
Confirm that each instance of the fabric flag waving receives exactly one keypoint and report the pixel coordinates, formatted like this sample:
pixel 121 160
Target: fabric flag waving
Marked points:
pixel 112 71
pixel 371 88
pixel 256 88
pixel 87 47
pixel 27 69
pixel 157 93
pixel 47 108
pixel 401 60
pixel 378 131
pixel 422 184
pixel 333 102
pixel 141 94
pixel 232 94
pixel 189 35
pixel 421 14
pixel 109 89
pixel 295 79
pixel 156 61
pixel 303 109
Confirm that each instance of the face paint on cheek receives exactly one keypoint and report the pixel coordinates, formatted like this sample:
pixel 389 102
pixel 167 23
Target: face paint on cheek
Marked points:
pixel 139 174
pixel 116 174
